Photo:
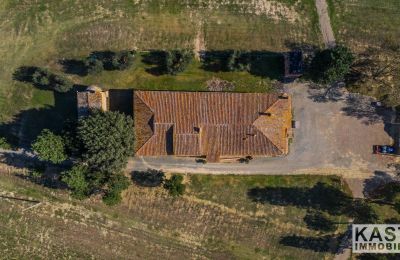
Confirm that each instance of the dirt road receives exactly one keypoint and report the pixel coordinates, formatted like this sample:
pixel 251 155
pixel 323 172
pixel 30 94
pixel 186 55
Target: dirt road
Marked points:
pixel 325 23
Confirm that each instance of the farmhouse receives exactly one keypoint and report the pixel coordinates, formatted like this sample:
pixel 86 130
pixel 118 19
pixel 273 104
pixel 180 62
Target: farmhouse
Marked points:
pixel 213 125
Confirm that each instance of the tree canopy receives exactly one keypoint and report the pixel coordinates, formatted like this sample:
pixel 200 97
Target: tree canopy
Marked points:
pixel 176 61
pixel 331 65
pixel 49 147
pixel 107 140
pixel 45 79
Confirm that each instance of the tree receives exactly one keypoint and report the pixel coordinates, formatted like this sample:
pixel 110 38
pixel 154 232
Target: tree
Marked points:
pixel 107 140
pixel 41 77
pixel 94 65
pixel 331 65
pixel 175 186
pixel 61 84
pixel 117 184
pixel 176 61
pixel 76 179
pixel 123 60
pixel 49 147
pixel 45 79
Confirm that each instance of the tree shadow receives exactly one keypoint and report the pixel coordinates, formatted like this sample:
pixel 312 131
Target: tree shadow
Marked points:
pixel 155 59
pixel 372 185
pixel 319 221
pixel 259 63
pixel 38 172
pixel 320 197
pixel 72 66
pixel 27 124
pixel 316 244
pixel 319 94
pixel 361 107
pixel 149 178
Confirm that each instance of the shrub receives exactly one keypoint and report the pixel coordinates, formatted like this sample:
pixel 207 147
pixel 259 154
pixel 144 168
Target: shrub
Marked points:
pixel 117 184
pixel 94 65
pixel 176 61
pixel 4 144
pixel 41 77
pixel 149 178
pixel 49 147
pixel 61 84
pixel 76 180
pixel 123 60
pixel 107 140
pixel 175 186
pixel 45 79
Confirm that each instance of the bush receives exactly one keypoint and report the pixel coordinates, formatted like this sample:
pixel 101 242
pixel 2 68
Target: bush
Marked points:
pixel 76 180
pixel 61 84
pixel 45 79
pixel 117 184
pixel 107 140
pixel 41 77
pixel 49 147
pixel 331 65
pixel 94 65
pixel 123 60
pixel 175 186
pixel 176 61
pixel 4 144
pixel 149 178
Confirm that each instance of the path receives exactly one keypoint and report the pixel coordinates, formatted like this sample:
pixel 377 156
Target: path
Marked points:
pixel 325 23
pixel 332 138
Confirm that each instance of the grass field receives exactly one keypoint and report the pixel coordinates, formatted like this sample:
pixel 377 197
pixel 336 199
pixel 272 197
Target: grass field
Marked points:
pixel 365 23
pixel 39 34
pixel 215 219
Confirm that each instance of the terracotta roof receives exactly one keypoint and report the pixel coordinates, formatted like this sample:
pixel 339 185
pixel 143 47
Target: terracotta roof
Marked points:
pixel 211 124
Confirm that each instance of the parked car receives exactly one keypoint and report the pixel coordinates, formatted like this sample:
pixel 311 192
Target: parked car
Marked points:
pixel 385 150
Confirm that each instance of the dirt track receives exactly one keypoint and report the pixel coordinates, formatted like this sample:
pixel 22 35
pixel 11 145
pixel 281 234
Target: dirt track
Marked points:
pixel 325 23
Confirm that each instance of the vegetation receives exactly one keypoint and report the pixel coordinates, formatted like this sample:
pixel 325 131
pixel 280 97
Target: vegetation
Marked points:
pixel 76 179
pixel 213 205
pixel 116 184
pixel 4 144
pixel 331 65
pixel 107 140
pixel 376 71
pixel 50 147
pixel 176 61
pixel 149 178
pixel 175 186
pixel 45 79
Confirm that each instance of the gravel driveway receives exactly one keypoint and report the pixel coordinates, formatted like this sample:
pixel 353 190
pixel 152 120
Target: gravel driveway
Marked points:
pixel 333 136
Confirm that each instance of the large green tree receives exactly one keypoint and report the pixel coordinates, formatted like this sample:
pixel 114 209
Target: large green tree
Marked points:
pixel 107 140
pixel 49 147
pixel 331 65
